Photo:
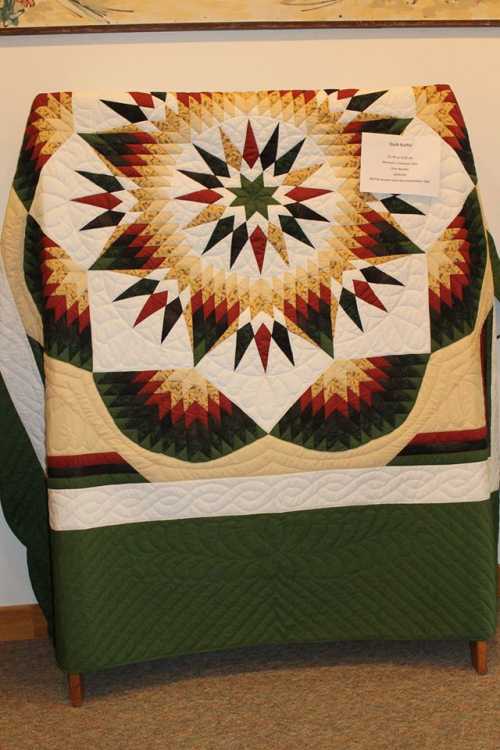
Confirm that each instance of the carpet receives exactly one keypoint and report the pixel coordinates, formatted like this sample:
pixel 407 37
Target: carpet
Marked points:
pixel 345 696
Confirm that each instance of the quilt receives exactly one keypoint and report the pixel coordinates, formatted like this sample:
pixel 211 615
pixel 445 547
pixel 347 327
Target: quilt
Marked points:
pixel 219 358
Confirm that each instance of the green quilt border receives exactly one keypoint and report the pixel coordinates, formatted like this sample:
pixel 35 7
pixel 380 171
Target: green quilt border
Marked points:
pixel 137 592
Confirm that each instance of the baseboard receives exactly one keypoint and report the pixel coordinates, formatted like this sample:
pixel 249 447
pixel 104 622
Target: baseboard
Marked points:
pixel 24 622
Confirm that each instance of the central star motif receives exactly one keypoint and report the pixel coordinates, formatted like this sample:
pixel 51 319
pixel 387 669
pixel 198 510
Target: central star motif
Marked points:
pixel 281 174
pixel 254 196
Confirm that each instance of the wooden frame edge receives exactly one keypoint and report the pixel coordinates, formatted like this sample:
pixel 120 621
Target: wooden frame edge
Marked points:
pixel 245 26
pixel 23 622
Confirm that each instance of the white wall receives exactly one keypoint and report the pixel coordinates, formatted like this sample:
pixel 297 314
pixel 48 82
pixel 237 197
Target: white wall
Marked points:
pixel 467 59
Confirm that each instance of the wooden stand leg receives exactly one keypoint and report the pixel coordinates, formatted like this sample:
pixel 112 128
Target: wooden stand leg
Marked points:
pixel 479 656
pixel 75 688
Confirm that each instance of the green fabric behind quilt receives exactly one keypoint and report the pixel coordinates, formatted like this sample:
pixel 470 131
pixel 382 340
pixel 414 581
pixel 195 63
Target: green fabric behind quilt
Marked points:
pixel 152 590
pixel 23 492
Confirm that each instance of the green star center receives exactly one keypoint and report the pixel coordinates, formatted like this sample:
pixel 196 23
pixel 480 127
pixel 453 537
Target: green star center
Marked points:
pixel 254 196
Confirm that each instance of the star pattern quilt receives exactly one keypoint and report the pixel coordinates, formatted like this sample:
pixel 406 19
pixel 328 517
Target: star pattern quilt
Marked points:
pixel 215 347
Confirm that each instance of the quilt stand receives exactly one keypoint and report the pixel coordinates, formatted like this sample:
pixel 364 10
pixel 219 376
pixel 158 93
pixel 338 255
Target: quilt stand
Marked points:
pixel 75 689
pixel 479 656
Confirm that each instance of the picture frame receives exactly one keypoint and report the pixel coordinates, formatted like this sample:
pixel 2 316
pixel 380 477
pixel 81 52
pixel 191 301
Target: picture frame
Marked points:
pixel 94 16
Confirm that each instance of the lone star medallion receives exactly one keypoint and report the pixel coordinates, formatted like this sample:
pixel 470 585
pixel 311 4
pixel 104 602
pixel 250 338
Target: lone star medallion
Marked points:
pixel 248 228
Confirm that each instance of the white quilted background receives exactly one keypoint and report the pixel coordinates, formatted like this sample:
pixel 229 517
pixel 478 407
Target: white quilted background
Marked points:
pixel 404 328
pixel 241 496
pixel 60 216
pixel 19 369
pixel 117 344
pixel 467 59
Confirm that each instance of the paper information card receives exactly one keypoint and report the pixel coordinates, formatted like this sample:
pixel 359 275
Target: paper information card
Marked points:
pixel 397 164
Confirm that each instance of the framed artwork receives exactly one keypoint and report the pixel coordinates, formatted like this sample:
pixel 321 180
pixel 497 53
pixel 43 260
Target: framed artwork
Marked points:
pixel 67 16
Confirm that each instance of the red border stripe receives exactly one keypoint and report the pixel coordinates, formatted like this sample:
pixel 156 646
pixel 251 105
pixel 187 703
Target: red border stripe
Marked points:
pixel 85 459
pixel 453 436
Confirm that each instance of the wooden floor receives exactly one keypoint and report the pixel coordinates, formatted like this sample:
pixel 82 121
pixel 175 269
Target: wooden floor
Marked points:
pixel 23 622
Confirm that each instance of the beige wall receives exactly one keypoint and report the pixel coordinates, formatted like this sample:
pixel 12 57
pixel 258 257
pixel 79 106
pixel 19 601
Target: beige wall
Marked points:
pixel 469 60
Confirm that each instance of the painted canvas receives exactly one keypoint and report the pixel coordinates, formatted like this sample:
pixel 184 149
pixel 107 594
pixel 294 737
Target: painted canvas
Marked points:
pixel 46 16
